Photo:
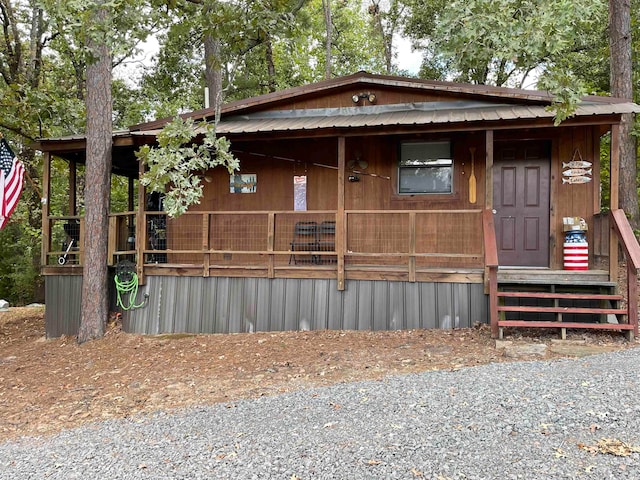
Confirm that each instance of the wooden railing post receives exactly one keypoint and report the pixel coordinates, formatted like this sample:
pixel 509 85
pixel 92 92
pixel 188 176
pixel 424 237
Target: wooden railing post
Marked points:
pixel 623 232
pixel 614 185
pixel 491 268
pixel 141 227
pixel 206 261
pixel 412 246
pixel 271 229
pixel 46 210
pixel 341 218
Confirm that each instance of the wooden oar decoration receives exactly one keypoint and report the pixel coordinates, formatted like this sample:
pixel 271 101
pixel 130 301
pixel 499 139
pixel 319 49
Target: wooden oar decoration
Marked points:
pixel 472 177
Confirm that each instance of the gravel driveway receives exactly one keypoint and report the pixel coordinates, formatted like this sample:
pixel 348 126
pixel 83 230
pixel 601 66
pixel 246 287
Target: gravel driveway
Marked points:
pixel 533 420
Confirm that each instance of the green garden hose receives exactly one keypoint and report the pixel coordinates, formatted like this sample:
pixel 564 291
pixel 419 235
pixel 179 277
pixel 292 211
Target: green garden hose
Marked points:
pixel 130 287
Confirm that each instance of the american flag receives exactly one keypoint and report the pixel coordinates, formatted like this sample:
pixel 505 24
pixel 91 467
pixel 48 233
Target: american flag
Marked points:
pixel 11 176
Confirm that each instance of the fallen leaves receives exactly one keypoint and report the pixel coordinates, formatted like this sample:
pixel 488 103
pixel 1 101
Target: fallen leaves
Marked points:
pixel 610 446
pixel 49 385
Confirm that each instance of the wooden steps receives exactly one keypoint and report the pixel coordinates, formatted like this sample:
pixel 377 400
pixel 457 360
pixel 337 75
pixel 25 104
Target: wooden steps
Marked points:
pixel 559 300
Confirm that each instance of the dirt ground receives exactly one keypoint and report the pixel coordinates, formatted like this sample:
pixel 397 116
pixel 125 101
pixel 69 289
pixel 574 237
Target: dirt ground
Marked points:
pixel 50 385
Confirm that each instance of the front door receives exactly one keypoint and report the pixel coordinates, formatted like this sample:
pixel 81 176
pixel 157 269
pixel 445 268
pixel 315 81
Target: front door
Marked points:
pixel 521 183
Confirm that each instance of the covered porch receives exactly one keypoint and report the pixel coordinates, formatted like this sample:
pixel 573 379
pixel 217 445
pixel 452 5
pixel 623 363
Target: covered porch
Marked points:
pixel 366 221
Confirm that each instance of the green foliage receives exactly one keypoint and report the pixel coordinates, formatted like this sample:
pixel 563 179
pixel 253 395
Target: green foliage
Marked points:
pixel 566 90
pixel 20 283
pixel 499 42
pixel 175 166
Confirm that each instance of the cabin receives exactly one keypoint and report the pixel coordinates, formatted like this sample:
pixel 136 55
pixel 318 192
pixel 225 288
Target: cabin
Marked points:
pixel 366 202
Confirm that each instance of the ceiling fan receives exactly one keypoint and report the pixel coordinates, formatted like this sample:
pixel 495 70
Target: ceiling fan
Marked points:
pixel 357 163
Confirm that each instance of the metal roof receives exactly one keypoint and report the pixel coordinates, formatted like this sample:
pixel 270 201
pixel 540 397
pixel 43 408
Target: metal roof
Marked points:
pixel 430 113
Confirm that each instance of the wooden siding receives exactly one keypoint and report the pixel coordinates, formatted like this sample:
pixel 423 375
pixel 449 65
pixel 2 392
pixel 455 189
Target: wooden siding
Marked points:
pixel 384 96
pixel 235 305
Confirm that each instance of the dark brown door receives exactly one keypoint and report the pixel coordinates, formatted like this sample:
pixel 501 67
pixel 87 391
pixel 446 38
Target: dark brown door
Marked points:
pixel 521 176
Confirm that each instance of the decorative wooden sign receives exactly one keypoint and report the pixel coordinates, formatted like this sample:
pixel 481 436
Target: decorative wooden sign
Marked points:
pixel 577 170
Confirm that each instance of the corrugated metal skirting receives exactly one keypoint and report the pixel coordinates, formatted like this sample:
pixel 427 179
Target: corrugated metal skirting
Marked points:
pixel 62 297
pixel 234 305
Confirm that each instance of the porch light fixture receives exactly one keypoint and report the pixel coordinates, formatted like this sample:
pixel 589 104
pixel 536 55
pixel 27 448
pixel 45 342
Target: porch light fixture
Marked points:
pixel 370 97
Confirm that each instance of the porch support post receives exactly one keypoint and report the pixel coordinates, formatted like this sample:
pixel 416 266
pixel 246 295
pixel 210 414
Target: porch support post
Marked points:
pixel 412 246
pixel 205 244
pixel 141 227
pixel 73 170
pixel 488 169
pixel 271 235
pixel 46 228
pixel 614 184
pixel 130 194
pixel 488 202
pixel 341 227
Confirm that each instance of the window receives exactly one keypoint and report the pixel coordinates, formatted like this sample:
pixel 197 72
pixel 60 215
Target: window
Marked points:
pixel 425 167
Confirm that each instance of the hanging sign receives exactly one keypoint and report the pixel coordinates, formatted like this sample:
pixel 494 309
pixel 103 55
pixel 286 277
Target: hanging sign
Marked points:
pixel 300 193
pixel 577 170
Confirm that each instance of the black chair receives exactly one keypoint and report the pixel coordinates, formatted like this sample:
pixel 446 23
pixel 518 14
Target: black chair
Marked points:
pixel 327 241
pixel 305 239
pixel 70 243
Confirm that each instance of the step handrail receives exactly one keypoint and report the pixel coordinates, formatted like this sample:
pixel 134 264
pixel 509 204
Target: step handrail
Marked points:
pixel 621 226
pixel 627 239
pixel 491 267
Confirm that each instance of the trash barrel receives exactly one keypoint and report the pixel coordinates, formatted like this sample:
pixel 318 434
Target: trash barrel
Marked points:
pixel 576 250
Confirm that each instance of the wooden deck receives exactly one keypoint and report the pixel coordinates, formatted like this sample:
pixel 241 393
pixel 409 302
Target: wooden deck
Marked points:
pixel 544 298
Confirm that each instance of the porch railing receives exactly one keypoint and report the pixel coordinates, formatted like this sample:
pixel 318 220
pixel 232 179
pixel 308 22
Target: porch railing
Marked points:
pixel 272 241
pixel 628 242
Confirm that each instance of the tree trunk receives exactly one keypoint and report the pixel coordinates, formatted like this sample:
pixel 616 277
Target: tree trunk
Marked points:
pixel 95 298
pixel 328 25
pixel 271 66
pixel 621 86
pixel 213 71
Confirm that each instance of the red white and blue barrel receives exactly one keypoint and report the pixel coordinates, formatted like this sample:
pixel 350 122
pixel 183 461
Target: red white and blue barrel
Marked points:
pixel 576 251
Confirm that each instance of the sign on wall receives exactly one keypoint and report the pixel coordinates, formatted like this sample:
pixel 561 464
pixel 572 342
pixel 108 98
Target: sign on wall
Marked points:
pixel 243 183
pixel 300 193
